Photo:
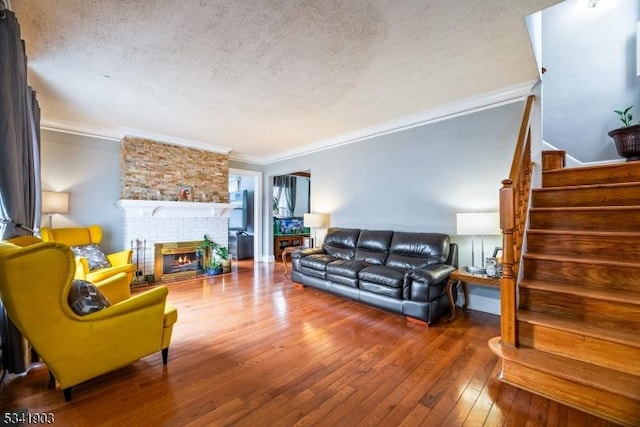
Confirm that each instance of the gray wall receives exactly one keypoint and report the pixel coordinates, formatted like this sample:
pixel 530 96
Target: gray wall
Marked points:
pixel 590 56
pixel 89 169
pixel 413 180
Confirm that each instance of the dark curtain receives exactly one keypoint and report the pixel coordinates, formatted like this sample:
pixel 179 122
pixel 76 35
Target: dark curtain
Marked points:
pixel 278 185
pixel 20 158
pixel 290 192
pixel 286 183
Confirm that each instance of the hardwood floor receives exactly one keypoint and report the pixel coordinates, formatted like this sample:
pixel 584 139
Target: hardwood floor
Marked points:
pixel 249 350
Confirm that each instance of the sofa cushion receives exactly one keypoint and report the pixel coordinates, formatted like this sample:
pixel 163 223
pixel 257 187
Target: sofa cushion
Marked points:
pixel 379 289
pixel 316 261
pixel 346 268
pixel 373 246
pixel 84 298
pixel 341 242
pixel 417 250
pixel 383 275
pixel 95 257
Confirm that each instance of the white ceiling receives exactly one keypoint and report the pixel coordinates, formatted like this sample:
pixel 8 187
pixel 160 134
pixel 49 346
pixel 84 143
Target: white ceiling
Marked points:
pixel 262 77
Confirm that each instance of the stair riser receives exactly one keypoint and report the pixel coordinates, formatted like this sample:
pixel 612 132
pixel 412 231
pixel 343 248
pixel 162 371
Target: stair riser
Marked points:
pixel 592 220
pixel 623 172
pixel 581 347
pixel 601 312
pixel 603 196
pixel 618 248
pixel 601 403
pixel 588 275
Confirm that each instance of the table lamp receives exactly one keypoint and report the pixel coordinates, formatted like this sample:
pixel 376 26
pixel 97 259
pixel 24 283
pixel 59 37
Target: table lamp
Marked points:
pixel 54 202
pixel 313 221
pixel 478 224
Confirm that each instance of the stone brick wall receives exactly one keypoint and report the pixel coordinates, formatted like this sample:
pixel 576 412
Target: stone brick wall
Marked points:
pixel 151 170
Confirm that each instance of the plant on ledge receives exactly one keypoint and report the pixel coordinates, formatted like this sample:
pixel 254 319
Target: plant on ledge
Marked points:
pixel 627 138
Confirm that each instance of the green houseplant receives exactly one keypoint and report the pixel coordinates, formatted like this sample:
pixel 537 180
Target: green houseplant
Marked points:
pixel 225 262
pixel 214 257
pixel 627 138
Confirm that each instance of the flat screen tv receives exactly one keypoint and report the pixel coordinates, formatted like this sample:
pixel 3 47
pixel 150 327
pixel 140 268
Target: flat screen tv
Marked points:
pixel 239 215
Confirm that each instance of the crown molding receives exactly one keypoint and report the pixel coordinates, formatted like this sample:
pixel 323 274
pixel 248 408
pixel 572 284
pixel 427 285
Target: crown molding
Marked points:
pixel 246 158
pixel 137 133
pixel 471 105
pixel 76 129
pixel 121 132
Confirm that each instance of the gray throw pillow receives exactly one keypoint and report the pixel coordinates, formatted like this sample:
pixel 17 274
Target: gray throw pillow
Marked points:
pixel 93 254
pixel 84 298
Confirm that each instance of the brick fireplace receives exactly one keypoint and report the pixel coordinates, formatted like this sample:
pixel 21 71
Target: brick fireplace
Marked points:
pixel 151 222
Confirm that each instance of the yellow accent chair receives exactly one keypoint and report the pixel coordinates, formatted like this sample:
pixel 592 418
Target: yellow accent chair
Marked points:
pixel 81 236
pixel 35 280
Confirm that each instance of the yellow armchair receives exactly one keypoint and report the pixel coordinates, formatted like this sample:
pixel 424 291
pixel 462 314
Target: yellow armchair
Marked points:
pixel 35 280
pixel 80 236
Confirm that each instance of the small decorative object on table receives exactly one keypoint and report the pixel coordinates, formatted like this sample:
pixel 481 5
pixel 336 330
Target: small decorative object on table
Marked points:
pixel 494 269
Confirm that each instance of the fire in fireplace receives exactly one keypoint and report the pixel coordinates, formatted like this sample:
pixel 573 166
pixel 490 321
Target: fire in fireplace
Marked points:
pixel 176 259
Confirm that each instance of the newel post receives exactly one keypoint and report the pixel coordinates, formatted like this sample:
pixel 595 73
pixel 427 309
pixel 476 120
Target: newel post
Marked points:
pixel 508 298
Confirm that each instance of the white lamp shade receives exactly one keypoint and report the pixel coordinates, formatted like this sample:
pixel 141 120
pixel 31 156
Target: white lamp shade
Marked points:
pixel 313 220
pixel 478 224
pixel 53 202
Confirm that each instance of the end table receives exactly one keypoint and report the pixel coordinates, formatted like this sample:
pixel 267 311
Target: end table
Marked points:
pixel 464 277
pixel 287 252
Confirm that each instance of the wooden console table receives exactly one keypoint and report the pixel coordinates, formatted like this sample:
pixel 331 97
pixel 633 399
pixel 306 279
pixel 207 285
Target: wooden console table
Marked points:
pixel 465 277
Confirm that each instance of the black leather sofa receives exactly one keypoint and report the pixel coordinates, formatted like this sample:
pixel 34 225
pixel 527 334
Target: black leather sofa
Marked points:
pixel 401 272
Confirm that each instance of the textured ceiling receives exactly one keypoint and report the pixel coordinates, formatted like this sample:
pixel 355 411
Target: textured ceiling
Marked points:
pixel 262 77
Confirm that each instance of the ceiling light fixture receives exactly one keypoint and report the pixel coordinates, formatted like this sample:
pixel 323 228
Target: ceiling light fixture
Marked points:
pixel 592 3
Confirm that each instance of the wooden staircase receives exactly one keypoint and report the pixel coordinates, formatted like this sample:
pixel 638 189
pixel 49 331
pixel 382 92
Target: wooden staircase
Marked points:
pixel 577 321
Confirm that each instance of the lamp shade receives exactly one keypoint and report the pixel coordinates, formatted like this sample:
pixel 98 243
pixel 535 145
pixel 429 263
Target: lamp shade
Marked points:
pixel 313 220
pixel 53 202
pixel 478 224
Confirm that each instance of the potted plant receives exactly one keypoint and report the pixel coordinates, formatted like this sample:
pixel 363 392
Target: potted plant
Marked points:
pixel 225 262
pixel 215 267
pixel 627 138
pixel 205 250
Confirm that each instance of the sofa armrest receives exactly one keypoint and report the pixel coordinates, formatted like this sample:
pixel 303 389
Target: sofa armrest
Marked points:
pixel 305 252
pixel 424 281
pixel 432 274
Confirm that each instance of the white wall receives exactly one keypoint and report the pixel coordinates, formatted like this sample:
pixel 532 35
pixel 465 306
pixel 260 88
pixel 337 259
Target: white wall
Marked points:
pixel 590 58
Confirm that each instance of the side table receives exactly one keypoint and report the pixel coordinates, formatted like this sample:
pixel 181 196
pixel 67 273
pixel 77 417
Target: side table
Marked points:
pixel 288 251
pixel 465 277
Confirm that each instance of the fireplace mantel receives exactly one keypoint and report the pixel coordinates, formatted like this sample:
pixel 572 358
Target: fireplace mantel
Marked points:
pixel 170 209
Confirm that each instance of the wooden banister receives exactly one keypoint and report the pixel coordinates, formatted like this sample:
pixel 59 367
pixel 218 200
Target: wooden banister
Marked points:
pixel 514 202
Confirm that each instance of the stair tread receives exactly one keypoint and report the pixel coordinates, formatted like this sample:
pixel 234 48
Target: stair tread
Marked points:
pixel 606 294
pixel 580 327
pixel 634 234
pixel 586 208
pixel 593 168
pixel 581 260
pixel 570 369
pixel 588 186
